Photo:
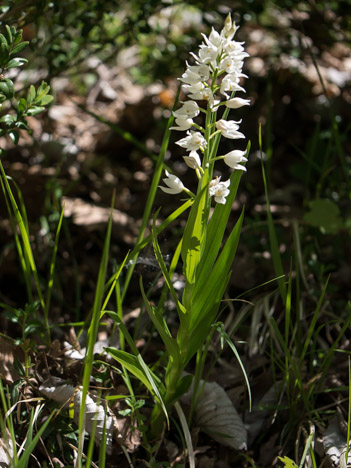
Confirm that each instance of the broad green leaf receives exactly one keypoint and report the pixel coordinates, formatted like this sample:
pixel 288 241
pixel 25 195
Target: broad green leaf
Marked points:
pixel 324 214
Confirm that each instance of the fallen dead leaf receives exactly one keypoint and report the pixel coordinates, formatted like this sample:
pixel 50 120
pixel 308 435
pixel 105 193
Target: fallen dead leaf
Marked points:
pixel 216 416
pixel 8 353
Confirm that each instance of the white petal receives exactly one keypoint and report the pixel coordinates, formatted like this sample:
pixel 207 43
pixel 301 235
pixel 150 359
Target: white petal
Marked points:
pixel 235 103
pixel 171 191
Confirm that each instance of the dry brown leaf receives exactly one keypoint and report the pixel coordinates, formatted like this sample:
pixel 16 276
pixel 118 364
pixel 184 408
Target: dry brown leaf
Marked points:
pixel 216 415
pixel 8 353
pixel 56 389
pixel 260 413
pixel 334 442
pixel 6 451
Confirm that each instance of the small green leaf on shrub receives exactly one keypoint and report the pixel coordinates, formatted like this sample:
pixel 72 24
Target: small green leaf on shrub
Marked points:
pixel 43 89
pixel 16 62
pixel 45 100
pixel 14 135
pixel 22 105
pixel 18 48
pixel 35 110
pixel 18 36
pixel 6 88
pixel 3 39
pixel 325 215
pixel 9 33
pixel 31 95
pixel 4 53
pixel 8 119
pixel 23 125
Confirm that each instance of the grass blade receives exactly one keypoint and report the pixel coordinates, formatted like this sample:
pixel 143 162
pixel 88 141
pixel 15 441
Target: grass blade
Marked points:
pixel 92 334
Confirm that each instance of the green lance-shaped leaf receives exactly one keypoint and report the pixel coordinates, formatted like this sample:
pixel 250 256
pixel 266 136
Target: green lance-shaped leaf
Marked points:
pixel 8 33
pixel 136 365
pixel 206 301
pixel 6 88
pixel 192 242
pixel 215 231
pixel 16 62
pixel 34 110
pixel 22 106
pixel 31 95
pixel 133 364
pixel 277 261
pixel 33 442
pixel 4 53
pixel 45 100
pixel 159 258
pixel 18 48
pixel 160 323
pixel 18 36
pixel 3 40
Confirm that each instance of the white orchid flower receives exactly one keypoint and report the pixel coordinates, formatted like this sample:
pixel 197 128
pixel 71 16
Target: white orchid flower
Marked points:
pixel 195 73
pixel 229 129
pixel 235 103
pixel 174 184
pixel 193 160
pixel 219 190
pixel 183 122
pixel 189 109
pixel 234 158
pixel 231 83
pixel 194 141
